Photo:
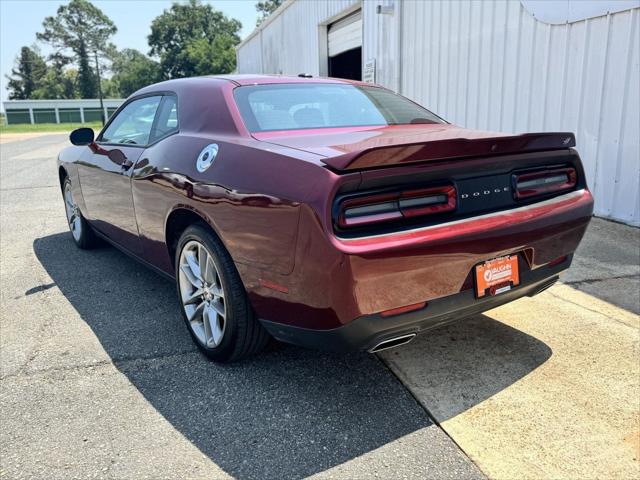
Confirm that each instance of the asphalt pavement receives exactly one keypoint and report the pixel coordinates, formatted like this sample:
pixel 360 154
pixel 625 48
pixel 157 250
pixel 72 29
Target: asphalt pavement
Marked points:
pixel 99 378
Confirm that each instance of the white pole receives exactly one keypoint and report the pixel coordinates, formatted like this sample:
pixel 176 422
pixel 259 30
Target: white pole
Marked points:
pixel 81 115
pixel 31 116
pixel 57 114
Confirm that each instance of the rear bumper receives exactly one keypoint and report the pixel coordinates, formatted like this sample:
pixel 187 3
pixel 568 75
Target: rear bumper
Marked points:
pixel 367 331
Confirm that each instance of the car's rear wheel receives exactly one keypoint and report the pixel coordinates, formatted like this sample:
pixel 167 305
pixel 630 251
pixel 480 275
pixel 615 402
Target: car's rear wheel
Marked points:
pixel 81 232
pixel 214 302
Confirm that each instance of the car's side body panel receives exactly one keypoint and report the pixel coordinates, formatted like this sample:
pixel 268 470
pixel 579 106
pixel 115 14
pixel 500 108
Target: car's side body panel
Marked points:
pixel 254 213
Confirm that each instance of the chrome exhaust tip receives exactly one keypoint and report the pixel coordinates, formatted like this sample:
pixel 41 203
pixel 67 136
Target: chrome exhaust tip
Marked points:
pixel 392 342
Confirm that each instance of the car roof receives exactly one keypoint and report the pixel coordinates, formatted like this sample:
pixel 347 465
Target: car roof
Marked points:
pixel 191 90
pixel 258 79
pixel 246 79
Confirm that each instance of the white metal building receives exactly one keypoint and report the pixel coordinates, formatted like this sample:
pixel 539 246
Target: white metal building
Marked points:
pixel 501 65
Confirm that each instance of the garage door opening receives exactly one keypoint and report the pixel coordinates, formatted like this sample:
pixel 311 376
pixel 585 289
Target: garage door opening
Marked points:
pixel 345 47
pixel 347 65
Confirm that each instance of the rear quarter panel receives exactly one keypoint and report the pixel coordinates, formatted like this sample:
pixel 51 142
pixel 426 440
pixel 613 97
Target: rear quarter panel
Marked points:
pixel 250 197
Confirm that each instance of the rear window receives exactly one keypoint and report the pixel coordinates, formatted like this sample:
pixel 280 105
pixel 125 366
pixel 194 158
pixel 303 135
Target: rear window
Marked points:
pixel 293 107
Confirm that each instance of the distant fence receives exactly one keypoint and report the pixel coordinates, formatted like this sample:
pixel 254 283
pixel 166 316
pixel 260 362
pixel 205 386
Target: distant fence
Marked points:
pixel 58 111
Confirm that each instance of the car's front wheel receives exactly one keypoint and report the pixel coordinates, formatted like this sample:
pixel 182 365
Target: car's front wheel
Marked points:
pixel 214 302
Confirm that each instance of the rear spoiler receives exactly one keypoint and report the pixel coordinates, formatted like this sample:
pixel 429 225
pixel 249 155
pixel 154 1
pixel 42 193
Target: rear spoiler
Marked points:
pixel 449 149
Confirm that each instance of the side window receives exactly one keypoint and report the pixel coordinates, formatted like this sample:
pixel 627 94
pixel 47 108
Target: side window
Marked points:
pixel 133 124
pixel 166 119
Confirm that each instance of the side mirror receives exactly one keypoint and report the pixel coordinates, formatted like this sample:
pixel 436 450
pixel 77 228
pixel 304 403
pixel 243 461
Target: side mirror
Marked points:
pixel 82 136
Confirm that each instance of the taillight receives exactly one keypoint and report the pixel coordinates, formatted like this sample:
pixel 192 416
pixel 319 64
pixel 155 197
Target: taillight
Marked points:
pixel 386 207
pixel 543 182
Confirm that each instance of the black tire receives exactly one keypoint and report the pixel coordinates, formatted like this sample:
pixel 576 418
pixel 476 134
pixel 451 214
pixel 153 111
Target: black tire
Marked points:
pixel 243 335
pixel 86 239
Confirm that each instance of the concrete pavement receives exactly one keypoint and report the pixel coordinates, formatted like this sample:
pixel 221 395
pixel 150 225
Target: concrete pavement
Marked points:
pixel 545 387
pixel 607 264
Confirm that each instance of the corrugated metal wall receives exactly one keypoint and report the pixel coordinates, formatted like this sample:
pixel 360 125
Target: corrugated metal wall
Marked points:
pixel 250 56
pixel 381 41
pixel 289 43
pixel 490 64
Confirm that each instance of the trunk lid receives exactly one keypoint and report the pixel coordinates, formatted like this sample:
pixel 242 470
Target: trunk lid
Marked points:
pixel 352 148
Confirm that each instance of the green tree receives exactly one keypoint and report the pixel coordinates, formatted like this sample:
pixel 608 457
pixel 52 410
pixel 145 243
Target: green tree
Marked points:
pixel 59 81
pixel 208 57
pixel 57 85
pixel 133 70
pixel 27 75
pixel 183 35
pixel 266 8
pixel 111 88
pixel 81 28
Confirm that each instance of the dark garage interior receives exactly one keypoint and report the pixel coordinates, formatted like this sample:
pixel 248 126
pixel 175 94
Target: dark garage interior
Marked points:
pixel 347 65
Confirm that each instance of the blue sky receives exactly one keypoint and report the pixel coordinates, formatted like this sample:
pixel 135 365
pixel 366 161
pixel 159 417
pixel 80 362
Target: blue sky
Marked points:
pixel 21 19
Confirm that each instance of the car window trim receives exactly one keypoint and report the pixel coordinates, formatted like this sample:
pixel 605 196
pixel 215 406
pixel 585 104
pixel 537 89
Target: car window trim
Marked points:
pixel 161 94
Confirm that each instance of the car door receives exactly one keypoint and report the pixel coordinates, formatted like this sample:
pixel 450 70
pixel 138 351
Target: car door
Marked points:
pixel 151 202
pixel 105 171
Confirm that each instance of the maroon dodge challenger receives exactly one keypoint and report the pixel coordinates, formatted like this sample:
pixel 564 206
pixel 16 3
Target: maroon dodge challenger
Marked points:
pixel 322 212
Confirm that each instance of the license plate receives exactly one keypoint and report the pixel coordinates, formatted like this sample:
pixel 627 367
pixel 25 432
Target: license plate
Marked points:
pixel 497 276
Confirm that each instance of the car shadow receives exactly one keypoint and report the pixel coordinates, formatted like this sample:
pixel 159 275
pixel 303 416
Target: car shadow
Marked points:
pixel 453 368
pixel 286 413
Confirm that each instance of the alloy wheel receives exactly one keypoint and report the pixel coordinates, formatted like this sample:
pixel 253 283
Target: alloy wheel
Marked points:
pixel 73 213
pixel 202 293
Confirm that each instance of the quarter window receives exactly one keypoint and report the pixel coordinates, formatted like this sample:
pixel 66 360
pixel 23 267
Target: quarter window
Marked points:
pixel 134 123
pixel 166 119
